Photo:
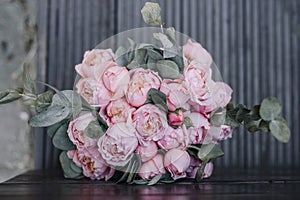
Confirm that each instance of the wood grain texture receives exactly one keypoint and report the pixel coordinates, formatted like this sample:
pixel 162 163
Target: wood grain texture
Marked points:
pixel 254 43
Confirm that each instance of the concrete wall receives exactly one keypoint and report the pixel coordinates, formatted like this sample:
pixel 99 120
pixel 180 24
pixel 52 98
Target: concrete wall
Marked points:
pixel 16 18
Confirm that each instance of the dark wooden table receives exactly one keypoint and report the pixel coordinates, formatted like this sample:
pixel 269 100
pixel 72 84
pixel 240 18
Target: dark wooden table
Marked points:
pixel 229 184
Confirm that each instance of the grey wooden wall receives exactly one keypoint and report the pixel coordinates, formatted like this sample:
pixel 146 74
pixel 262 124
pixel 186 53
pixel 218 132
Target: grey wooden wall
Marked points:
pixel 255 44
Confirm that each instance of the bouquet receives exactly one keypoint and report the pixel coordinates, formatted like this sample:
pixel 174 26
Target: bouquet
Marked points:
pixel 144 113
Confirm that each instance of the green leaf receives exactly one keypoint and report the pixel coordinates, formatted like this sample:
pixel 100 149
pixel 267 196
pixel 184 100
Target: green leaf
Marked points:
pixel 155 179
pixel 264 126
pixel 218 117
pixel 164 40
pixel 94 130
pixel 252 125
pixel 10 95
pixel 280 130
pixel 101 121
pixel 43 101
pixel 120 56
pixel 139 182
pixel 166 178
pixel 27 81
pixel 200 171
pixel 61 139
pixel 209 152
pixel 137 163
pixel 254 113
pixel 188 122
pixel 151 13
pixel 51 130
pixel 158 98
pixel 155 55
pixel 52 115
pixel 167 69
pixel 270 108
pixel 69 169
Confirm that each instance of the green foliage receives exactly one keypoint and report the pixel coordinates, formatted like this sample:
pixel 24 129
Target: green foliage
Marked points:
pixel 10 95
pixel 130 170
pixel 218 117
pixel 155 179
pixel 70 169
pixel 43 101
pixel 270 108
pixel 280 130
pixel 157 98
pixel 27 81
pixel 151 13
pixel 94 130
pixel 167 69
pixel 61 140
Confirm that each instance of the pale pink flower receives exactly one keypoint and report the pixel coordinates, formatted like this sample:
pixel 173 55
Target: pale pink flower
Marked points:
pixel 193 51
pixel 140 82
pixel 176 93
pixel 95 62
pixel 147 152
pixel 176 119
pixel 76 132
pixel 217 134
pixel 152 167
pixel 118 144
pixel 195 134
pixel 117 111
pixel 177 161
pixel 93 91
pixel 92 164
pixel 194 166
pixel 173 138
pixel 150 123
pixel 116 80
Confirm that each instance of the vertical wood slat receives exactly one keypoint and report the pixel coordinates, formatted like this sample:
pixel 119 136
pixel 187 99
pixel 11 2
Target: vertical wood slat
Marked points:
pixel 255 44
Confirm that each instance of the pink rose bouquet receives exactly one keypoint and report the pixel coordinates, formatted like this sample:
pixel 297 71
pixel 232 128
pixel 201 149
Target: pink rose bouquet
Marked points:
pixel 147 113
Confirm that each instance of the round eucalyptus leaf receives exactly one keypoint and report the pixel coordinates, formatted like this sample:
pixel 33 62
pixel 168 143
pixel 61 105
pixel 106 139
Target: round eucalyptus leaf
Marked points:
pixel 280 130
pixel 94 130
pixel 61 140
pixel 167 69
pixel 270 108
pixel 151 13
pixel 68 168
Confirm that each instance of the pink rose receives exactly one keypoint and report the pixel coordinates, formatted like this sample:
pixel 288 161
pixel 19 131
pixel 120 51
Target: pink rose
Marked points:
pixel 217 134
pixel 118 144
pixel 76 132
pixel 193 51
pixel 141 81
pixel 199 82
pixel 177 161
pixel 194 134
pixel 176 93
pixel 194 166
pixel 150 123
pixel 117 111
pixel 92 164
pixel 116 80
pixel 152 167
pixel 176 119
pixel 94 92
pixel 220 97
pixel 173 138
pixel 147 152
pixel 95 62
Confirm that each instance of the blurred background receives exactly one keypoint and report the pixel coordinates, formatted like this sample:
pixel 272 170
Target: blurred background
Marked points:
pixel 255 44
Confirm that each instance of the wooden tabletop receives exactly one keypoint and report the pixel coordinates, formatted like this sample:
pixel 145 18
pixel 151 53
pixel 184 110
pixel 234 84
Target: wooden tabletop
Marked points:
pixel 227 184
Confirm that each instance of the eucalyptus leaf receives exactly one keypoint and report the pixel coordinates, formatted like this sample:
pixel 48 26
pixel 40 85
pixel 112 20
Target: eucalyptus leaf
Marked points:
pixel 218 117
pixel 3 93
pixel 140 182
pixel 280 130
pixel 264 126
pixel 27 81
pixel 10 95
pixel 94 130
pixel 51 130
pixel 151 13
pixel 252 125
pixel 120 56
pixel 209 152
pixel 155 179
pixel 61 140
pixel 158 98
pixel 52 115
pixel 178 59
pixel 155 55
pixel 167 69
pixel 270 108
pixel 43 101
pixel 137 162
pixel 188 122
pixel 68 167
pixel 200 171
pixel 166 178
pixel 164 40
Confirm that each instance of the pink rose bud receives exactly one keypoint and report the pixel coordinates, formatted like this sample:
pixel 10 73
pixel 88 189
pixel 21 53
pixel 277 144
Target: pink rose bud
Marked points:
pixel 177 162
pixel 147 152
pixel 176 119
pixel 152 167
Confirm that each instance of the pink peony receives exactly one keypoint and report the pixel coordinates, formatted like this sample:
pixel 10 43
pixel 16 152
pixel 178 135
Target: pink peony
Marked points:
pixel 194 134
pixel 93 91
pixel 199 82
pixel 147 152
pixel 94 63
pixel 116 80
pixel 152 167
pixel 150 123
pixel 76 132
pixel 118 144
pixel 176 93
pixel 194 166
pixel 140 82
pixel 92 164
pixel 177 161
pixel 176 119
pixel 173 138
pixel 117 111
pixel 217 134
pixel 193 51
